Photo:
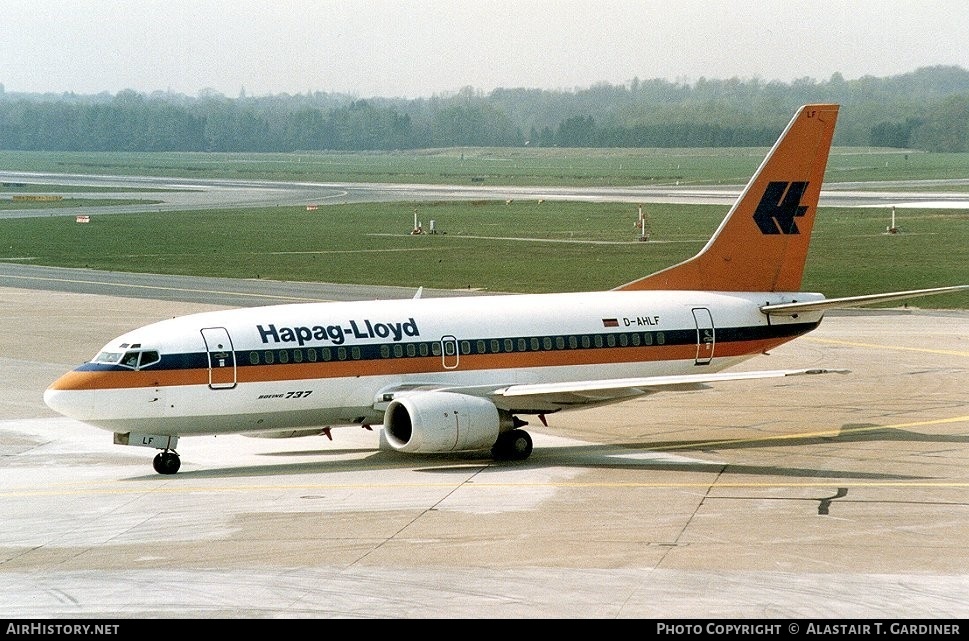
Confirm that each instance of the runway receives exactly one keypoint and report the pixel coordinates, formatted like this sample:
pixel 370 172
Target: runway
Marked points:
pixel 840 496
pixel 178 194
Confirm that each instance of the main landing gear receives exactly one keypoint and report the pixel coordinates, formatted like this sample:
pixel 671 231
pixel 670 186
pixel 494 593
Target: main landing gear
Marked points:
pixel 167 462
pixel 515 445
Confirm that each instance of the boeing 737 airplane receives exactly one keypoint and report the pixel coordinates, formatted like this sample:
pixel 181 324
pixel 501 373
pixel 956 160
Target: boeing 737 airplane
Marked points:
pixel 457 374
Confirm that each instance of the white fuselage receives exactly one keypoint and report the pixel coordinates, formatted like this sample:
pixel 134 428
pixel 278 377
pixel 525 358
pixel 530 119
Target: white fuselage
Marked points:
pixel 274 368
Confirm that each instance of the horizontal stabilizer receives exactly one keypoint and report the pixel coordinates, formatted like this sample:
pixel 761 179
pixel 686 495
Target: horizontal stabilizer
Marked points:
pixel 856 301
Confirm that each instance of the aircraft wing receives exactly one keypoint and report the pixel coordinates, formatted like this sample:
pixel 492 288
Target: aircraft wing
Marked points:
pixel 586 392
pixel 551 397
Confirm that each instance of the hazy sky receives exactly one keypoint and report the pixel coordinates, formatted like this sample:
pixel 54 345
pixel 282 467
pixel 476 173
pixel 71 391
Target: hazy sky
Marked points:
pixel 425 47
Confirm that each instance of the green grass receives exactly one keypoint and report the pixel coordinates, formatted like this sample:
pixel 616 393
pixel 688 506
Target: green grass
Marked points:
pixel 68 203
pixel 493 166
pixel 21 187
pixel 479 245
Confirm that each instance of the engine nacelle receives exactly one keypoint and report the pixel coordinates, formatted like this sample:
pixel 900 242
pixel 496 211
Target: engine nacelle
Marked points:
pixel 441 422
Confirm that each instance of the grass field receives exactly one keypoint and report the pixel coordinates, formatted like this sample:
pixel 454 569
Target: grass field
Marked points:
pixel 9 203
pixel 517 247
pixel 494 166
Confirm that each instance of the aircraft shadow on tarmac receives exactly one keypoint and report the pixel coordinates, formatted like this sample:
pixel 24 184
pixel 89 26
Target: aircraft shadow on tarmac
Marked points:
pixel 850 433
pixel 654 455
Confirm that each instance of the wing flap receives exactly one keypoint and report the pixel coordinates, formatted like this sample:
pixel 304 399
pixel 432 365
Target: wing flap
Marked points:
pixel 552 397
pixel 623 387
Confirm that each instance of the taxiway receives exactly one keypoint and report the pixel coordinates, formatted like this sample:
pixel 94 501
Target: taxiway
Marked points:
pixel 832 496
pixel 841 496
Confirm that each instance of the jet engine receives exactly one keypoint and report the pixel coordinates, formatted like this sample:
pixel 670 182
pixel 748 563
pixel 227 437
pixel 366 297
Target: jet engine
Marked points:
pixel 442 422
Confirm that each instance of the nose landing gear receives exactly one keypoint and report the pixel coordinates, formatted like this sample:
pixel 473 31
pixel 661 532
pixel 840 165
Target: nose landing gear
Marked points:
pixel 167 462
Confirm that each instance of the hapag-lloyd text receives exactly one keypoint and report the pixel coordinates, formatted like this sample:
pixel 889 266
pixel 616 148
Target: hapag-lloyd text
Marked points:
pixel 337 334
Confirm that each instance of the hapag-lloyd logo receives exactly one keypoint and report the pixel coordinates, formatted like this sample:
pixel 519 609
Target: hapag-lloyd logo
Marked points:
pixel 779 206
pixel 337 334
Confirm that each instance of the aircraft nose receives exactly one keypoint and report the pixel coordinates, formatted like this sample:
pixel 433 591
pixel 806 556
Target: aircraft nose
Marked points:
pixel 65 396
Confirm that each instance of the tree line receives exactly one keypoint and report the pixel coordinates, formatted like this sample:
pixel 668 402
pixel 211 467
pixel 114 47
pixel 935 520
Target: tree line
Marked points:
pixel 927 109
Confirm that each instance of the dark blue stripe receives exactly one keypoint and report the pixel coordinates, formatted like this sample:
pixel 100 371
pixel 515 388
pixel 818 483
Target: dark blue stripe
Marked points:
pixel 385 351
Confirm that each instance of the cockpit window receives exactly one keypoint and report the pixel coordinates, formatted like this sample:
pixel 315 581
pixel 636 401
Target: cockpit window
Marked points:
pixel 134 359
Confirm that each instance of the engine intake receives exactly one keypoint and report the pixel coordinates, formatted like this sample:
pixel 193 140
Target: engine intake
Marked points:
pixel 442 422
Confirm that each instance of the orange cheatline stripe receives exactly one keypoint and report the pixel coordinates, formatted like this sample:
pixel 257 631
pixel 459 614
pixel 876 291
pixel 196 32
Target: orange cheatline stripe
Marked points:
pixel 117 379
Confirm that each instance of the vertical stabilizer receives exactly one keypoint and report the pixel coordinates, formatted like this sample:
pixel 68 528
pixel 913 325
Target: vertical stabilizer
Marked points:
pixel 763 242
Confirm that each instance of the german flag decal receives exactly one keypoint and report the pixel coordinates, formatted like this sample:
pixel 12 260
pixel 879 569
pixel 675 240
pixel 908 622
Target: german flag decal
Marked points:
pixel 610 322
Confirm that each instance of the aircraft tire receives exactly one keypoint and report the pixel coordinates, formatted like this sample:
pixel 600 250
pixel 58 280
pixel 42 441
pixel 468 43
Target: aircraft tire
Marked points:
pixel 515 445
pixel 166 463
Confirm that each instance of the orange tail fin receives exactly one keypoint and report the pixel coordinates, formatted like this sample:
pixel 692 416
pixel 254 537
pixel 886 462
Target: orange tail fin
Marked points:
pixel 763 242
